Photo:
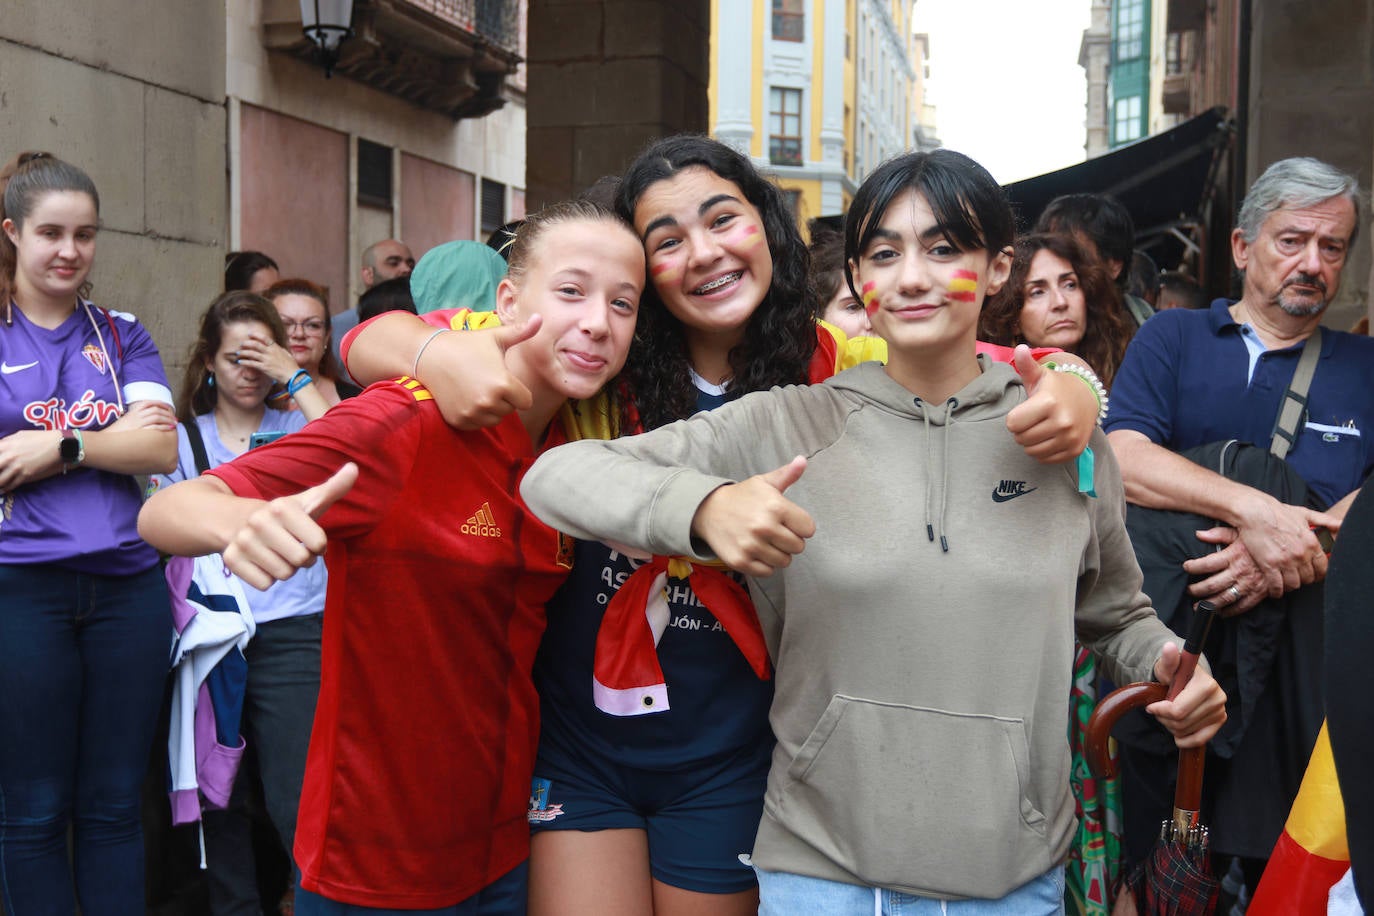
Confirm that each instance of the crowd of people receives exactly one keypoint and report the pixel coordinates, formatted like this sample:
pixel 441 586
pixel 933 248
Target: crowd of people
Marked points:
pixel 665 565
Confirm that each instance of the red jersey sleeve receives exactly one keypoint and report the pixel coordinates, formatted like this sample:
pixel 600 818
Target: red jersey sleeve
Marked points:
pixel 443 318
pixel 379 430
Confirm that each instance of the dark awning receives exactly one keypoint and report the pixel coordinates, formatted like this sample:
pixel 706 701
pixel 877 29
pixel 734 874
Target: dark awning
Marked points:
pixel 1167 182
pixel 1172 184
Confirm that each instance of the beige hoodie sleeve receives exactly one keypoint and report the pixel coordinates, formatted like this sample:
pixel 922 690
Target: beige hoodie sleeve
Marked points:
pixel 1113 617
pixel 643 491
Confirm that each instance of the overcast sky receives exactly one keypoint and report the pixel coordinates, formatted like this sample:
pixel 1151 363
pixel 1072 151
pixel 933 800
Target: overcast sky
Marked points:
pixel 1005 80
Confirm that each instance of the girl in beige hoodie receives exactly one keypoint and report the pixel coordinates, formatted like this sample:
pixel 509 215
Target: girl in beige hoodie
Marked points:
pixel 922 642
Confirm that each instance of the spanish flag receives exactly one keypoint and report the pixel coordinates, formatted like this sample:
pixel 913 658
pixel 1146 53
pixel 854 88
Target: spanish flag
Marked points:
pixel 1311 854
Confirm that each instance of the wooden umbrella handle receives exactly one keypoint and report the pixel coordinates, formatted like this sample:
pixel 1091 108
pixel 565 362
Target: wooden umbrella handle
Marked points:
pixel 1104 718
pixel 1188 791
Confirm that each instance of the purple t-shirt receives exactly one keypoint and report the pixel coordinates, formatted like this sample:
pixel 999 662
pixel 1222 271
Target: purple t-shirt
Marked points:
pixel 75 376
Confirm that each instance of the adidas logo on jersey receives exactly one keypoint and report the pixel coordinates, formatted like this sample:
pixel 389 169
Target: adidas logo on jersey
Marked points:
pixel 482 523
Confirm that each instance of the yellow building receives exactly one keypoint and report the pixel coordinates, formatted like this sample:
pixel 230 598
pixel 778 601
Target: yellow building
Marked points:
pixel 818 92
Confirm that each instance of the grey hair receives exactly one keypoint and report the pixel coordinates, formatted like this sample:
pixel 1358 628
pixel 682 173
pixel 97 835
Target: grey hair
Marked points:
pixel 1295 183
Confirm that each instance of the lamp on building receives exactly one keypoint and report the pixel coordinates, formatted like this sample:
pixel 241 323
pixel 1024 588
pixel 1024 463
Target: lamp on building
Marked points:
pixel 326 23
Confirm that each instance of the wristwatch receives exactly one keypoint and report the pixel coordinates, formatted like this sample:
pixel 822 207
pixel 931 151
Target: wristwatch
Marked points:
pixel 71 449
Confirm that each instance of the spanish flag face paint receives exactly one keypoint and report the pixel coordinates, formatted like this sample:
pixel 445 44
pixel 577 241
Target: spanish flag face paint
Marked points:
pixel 666 273
pixel 870 297
pixel 750 234
pixel 963 286
pixel 708 252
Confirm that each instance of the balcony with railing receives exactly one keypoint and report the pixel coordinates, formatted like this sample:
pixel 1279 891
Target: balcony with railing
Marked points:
pixel 1177 89
pixel 457 57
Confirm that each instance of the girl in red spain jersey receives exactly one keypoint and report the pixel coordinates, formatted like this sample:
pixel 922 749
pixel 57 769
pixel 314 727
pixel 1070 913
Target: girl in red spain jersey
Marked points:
pixel 417 780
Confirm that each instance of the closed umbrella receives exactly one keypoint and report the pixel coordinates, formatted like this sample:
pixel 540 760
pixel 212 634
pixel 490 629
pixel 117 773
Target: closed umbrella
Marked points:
pixel 1176 877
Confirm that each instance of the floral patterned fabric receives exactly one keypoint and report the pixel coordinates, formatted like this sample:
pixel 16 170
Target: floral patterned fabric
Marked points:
pixel 1095 858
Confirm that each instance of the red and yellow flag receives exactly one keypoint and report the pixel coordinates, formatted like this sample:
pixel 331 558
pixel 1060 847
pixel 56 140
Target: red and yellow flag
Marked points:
pixel 1311 854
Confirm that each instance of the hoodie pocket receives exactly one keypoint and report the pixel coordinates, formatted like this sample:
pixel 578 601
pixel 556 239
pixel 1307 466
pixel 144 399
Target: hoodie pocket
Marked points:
pixel 915 798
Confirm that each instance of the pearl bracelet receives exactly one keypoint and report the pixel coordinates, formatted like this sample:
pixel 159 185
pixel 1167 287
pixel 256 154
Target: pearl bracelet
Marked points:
pixel 1089 378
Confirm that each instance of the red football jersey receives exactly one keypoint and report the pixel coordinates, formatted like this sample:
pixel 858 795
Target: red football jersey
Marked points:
pixel 417 780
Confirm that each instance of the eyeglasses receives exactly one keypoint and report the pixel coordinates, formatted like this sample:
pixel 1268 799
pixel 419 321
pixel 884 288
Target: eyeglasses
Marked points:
pixel 311 327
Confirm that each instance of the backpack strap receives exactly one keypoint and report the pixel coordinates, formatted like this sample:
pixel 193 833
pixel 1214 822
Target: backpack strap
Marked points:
pixel 197 446
pixel 1294 403
pixel 114 333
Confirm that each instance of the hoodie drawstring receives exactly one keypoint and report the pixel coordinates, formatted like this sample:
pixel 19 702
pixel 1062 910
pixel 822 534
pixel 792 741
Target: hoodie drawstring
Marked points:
pixel 939 522
pixel 944 470
pixel 925 417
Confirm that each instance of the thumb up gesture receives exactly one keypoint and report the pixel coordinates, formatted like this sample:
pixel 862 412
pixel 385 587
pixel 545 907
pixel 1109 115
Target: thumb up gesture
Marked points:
pixel 1059 414
pixel 752 526
pixel 284 536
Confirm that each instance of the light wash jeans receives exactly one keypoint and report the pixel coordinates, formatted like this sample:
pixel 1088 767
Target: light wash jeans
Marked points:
pixel 785 894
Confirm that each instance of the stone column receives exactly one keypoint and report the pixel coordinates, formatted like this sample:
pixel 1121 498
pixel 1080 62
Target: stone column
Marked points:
pixel 604 78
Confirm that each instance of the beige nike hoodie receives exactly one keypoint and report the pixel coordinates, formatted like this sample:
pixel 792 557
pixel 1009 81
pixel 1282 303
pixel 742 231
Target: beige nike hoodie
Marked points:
pixel 923 640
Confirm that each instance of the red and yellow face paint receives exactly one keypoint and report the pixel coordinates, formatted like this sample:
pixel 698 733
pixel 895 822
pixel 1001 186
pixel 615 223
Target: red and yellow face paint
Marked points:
pixel 749 236
pixel 963 286
pixel 870 297
pixel 669 272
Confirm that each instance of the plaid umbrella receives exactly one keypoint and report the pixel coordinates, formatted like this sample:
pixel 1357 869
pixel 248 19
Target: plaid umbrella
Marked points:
pixel 1175 879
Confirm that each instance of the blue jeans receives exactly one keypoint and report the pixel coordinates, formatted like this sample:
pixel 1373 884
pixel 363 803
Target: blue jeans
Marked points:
pixel 784 894
pixel 82 663
pixel 506 896
pixel 278 710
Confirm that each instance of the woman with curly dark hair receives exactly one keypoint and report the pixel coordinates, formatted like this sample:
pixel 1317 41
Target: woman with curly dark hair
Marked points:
pixel 744 321
pixel 1058 296
pixel 643 800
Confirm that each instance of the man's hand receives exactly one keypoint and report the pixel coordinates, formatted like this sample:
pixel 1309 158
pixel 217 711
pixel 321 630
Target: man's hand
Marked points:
pixel 1058 416
pixel 1198 712
pixel 1230 567
pixel 466 372
pixel 1280 539
pixel 283 536
pixel 751 526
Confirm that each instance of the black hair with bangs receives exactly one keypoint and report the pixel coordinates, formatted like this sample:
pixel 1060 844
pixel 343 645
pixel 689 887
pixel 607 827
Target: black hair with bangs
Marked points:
pixel 968 203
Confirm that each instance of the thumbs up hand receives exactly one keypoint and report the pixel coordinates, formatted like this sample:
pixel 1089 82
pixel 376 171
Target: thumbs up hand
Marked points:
pixel 1059 414
pixel 752 526
pixel 284 535
pixel 468 376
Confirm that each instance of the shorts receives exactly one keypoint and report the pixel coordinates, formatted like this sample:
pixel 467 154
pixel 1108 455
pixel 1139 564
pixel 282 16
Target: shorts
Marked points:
pixel 698 821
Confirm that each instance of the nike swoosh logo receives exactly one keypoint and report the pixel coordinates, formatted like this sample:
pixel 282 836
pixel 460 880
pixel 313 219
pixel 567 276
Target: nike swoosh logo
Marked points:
pixel 9 370
pixel 1003 497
